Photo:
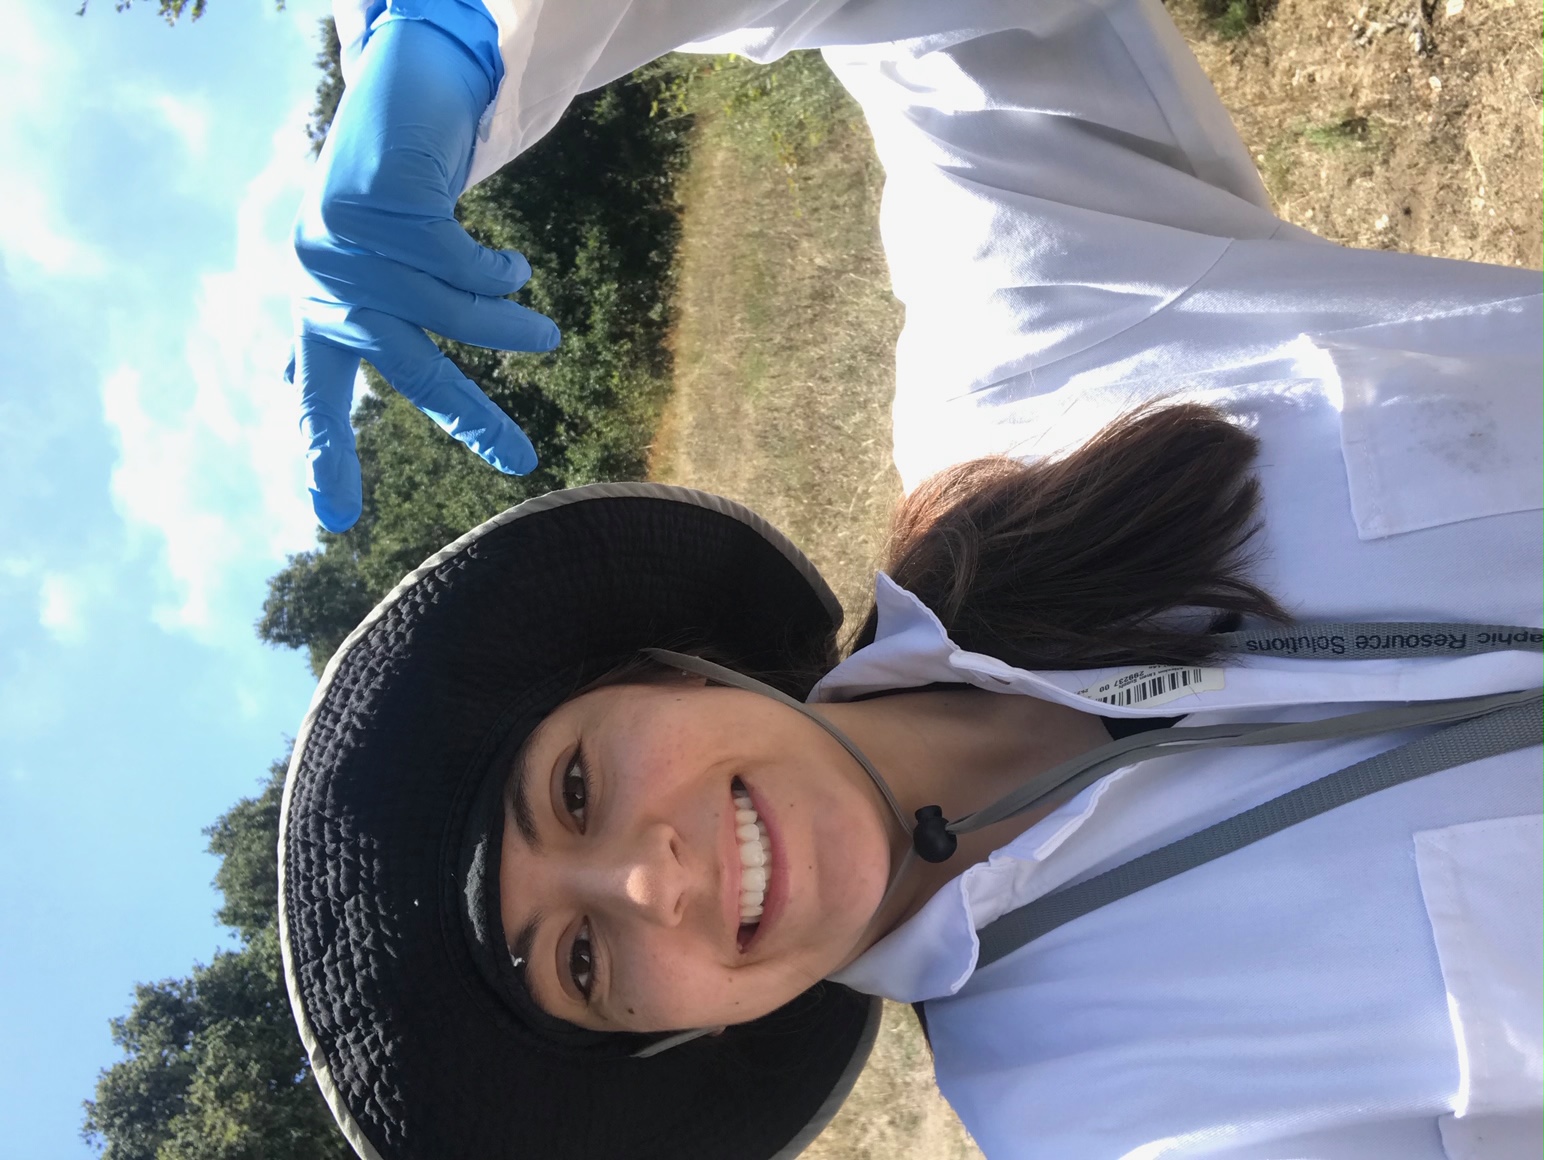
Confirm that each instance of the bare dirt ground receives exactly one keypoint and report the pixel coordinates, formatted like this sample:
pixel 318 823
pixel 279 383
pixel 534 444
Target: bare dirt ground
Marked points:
pixel 1402 124
pixel 1392 124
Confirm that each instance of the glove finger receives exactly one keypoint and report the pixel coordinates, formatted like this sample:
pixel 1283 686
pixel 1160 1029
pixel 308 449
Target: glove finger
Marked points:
pixel 390 188
pixel 408 294
pixel 499 324
pixel 444 250
pixel 412 364
pixel 416 236
pixel 325 374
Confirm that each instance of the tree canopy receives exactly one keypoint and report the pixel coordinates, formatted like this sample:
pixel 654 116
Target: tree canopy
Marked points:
pixel 212 1067
pixel 591 206
pixel 170 11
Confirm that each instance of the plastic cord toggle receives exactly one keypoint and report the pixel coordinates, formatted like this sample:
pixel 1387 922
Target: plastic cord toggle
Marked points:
pixel 931 838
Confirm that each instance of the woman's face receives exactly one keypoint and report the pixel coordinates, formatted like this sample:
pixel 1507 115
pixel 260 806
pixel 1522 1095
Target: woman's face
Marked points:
pixel 624 879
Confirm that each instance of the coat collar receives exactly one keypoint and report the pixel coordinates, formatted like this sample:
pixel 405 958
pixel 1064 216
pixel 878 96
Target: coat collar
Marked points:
pixel 911 648
pixel 933 954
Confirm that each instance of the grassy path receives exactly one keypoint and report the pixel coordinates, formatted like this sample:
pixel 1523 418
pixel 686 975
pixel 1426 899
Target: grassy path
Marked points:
pixel 784 343
pixel 784 366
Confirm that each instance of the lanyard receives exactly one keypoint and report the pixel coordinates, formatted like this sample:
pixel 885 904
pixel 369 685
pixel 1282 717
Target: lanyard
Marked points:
pixel 1473 728
pixel 1514 724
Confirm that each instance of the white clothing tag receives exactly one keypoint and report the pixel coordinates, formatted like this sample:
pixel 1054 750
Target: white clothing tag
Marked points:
pixel 1154 685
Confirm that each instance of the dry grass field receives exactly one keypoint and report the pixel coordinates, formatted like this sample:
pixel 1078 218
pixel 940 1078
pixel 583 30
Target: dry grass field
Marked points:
pixel 1410 124
pixel 1392 124
pixel 784 337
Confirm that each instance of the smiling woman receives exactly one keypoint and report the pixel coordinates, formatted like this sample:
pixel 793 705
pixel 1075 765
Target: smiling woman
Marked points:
pixel 677 855
pixel 612 817
pixel 688 857
pixel 595 846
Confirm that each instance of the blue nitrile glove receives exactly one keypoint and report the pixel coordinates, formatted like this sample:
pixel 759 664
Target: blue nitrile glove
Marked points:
pixel 386 260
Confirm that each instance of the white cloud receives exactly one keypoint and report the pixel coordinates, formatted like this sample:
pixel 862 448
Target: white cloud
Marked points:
pixel 188 117
pixel 219 481
pixel 34 235
pixel 249 703
pixel 31 234
pixel 62 607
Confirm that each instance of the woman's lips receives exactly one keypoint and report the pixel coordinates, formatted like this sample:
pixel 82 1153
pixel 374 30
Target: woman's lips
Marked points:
pixel 777 880
pixel 729 852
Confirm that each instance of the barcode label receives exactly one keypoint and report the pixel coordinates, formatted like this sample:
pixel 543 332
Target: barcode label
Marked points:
pixel 1154 685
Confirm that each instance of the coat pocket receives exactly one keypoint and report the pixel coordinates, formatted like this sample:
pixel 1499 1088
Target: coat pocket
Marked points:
pixel 1481 883
pixel 1440 418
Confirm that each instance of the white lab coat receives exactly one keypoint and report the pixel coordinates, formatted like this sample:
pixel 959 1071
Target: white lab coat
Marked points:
pixel 1362 986
pixel 1074 226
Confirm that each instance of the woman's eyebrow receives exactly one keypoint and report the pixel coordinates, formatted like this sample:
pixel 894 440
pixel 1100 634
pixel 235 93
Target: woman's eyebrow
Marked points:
pixel 525 938
pixel 520 802
pixel 520 949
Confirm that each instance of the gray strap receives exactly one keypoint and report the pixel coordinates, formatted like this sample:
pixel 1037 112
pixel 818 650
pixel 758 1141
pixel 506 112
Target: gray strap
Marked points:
pixel 719 674
pixel 1062 782
pixel 1338 640
pixel 1393 640
pixel 1347 641
pixel 1516 726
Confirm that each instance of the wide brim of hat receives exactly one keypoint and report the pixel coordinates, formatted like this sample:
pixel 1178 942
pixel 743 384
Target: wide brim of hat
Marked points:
pixel 417 1054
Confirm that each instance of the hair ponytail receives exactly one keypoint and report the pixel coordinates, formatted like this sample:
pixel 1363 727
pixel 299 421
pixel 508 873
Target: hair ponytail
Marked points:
pixel 1127 551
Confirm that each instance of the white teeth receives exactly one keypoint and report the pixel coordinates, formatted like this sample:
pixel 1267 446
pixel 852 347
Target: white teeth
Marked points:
pixel 755 858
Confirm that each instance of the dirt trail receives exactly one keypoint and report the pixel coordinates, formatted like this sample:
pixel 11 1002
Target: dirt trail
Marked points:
pixel 1392 124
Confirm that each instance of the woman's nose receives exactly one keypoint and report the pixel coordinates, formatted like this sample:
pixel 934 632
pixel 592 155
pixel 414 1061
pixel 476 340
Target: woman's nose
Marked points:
pixel 648 878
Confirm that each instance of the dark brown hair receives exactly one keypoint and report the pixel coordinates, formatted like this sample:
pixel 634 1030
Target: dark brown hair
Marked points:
pixel 1128 550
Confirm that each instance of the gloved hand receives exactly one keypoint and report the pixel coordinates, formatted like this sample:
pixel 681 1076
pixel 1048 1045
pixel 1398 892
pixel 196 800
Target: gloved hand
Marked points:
pixel 385 260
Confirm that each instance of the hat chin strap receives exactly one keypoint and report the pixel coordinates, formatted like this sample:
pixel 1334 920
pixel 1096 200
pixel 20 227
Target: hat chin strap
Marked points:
pixel 675 1040
pixel 719 675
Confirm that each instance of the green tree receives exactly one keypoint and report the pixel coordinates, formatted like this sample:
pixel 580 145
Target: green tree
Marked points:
pixel 592 208
pixel 212 1067
pixel 170 11
pixel 314 602
pixel 329 90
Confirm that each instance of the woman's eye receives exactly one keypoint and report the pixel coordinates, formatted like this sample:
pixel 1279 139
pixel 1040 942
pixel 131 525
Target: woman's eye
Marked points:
pixel 576 790
pixel 581 962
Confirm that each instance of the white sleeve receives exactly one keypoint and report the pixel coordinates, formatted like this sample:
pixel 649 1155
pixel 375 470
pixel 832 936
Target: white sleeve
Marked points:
pixel 1109 83
pixel 555 49
pixel 1067 203
pixel 1057 169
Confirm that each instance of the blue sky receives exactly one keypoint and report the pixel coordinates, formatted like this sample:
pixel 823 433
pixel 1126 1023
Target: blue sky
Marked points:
pixel 150 482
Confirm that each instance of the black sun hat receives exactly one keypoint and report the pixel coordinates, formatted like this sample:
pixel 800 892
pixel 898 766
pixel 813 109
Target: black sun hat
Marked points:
pixel 388 903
